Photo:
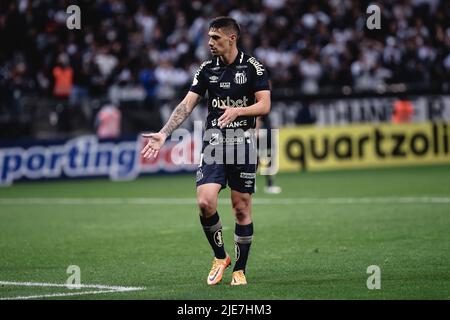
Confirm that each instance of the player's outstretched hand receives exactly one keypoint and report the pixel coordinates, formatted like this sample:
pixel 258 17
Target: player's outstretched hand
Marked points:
pixel 228 116
pixel 155 142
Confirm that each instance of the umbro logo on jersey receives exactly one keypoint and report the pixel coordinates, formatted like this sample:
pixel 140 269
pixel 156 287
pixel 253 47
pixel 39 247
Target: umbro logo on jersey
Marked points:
pixel 213 79
pixel 240 77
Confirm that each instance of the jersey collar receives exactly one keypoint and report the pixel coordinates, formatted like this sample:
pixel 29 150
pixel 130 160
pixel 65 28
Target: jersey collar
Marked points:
pixel 238 60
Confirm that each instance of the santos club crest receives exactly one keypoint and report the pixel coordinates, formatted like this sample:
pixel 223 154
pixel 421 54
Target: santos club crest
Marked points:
pixel 240 77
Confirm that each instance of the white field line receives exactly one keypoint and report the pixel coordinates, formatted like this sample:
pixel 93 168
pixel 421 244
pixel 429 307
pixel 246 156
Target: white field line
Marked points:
pixel 256 201
pixel 100 289
pixel 82 293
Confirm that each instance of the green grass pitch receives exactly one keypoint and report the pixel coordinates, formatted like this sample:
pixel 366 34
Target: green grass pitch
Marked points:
pixel 315 240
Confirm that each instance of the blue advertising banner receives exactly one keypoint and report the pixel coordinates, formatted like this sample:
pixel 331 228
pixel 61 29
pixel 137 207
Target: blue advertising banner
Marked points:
pixel 86 156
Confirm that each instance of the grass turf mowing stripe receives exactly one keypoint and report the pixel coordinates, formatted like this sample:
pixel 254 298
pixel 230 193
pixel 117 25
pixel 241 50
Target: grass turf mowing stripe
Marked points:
pixel 188 201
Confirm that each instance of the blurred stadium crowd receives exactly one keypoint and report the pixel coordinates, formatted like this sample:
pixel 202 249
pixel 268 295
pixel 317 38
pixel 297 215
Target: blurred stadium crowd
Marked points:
pixel 150 49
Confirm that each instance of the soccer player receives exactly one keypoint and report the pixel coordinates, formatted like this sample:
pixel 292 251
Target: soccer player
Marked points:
pixel 238 92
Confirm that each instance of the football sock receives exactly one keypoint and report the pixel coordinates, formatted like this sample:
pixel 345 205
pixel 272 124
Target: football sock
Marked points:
pixel 213 231
pixel 243 239
pixel 269 181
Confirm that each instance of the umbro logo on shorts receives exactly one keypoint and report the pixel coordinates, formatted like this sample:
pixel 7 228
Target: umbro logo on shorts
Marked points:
pixel 248 183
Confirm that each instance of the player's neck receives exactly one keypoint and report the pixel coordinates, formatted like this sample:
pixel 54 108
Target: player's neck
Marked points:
pixel 230 56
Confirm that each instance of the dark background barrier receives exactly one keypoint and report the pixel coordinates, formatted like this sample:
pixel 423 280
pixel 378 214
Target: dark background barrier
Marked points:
pixel 46 118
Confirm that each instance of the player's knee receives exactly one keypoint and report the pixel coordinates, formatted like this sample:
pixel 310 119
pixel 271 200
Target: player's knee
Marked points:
pixel 241 211
pixel 240 214
pixel 207 207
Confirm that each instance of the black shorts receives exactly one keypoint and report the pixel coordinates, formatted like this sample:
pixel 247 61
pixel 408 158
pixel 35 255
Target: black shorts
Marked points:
pixel 239 175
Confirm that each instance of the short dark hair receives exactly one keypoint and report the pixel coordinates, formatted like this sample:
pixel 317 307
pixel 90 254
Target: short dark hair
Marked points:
pixel 225 23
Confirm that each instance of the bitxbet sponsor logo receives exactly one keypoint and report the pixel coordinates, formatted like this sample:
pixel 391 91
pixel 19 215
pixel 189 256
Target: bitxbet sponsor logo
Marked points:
pixel 228 102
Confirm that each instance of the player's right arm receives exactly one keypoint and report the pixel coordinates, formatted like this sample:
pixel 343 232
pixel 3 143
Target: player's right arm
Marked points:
pixel 181 112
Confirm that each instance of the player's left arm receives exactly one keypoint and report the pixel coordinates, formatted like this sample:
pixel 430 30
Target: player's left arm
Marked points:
pixel 260 108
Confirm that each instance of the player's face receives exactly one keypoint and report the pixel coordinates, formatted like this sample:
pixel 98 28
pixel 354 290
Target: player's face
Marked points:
pixel 220 42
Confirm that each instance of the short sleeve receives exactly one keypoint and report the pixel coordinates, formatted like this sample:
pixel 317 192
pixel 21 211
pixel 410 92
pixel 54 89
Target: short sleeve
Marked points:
pixel 261 77
pixel 198 83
